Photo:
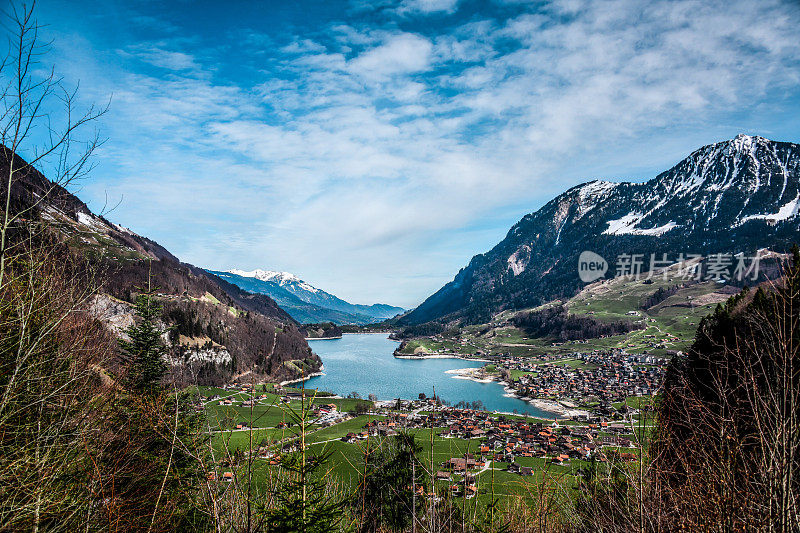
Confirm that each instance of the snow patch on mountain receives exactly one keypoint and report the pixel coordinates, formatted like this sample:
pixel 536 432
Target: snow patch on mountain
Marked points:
pixel 689 183
pixel 592 194
pixel 627 226
pixel 123 229
pixel 596 189
pixel 92 222
pixel 51 214
pixel 785 212
pixel 742 143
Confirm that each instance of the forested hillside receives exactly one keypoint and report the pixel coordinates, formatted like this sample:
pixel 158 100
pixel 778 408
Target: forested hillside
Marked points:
pixel 217 330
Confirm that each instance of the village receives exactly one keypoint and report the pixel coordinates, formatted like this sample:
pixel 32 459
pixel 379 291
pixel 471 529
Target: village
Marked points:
pixel 589 375
pixel 515 444
pixel 592 380
pixel 510 441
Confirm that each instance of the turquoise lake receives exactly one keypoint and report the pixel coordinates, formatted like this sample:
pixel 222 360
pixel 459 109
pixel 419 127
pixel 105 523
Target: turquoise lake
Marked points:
pixel 365 364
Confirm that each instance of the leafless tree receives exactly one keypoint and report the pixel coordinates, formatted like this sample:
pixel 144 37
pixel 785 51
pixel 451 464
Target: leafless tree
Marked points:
pixel 39 119
pixel 52 351
pixel 729 449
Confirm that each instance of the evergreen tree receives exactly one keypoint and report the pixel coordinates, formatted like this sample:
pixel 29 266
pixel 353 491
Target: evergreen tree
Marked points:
pixel 145 349
pixel 388 485
pixel 303 506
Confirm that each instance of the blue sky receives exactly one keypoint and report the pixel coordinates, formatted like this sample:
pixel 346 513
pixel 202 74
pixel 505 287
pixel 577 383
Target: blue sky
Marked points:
pixel 373 148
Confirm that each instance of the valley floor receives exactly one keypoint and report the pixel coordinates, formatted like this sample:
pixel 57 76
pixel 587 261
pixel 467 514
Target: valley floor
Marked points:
pixel 509 455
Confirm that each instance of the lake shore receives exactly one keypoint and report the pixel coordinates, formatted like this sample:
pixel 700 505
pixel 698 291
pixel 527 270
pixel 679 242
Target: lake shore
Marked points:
pixel 551 406
pixel 298 380
pixel 478 375
pixel 556 408
pixel 365 363
pixel 322 338
pixel 427 355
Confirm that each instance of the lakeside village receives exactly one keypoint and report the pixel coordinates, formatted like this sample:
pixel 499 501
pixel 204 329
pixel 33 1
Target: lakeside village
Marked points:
pixel 575 385
pixel 578 385
pixel 613 387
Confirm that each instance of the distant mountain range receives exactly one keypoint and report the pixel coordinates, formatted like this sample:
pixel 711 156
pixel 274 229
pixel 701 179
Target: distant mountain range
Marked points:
pixel 304 302
pixel 729 197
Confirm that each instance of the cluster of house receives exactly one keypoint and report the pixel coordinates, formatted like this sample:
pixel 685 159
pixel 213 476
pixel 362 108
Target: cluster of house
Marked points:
pixel 497 439
pixel 383 428
pixel 606 377
pixel 505 440
pixel 467 467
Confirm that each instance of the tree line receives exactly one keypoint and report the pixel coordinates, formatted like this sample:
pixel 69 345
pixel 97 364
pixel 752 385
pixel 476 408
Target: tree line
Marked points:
pixel 557 323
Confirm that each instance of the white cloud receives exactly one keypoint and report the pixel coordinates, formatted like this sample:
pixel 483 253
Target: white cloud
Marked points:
pixel 159 57
pixel 399 54
pixel 428 6
pixel 303 46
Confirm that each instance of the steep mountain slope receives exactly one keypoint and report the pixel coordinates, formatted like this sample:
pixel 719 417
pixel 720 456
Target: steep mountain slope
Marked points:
pixel 216 330
pixel 306 303
pixel 729 197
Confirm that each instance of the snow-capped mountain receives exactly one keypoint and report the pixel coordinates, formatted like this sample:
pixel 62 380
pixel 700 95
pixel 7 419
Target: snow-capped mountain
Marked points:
pixel 304 302
pixel 286 280
pixel 728 197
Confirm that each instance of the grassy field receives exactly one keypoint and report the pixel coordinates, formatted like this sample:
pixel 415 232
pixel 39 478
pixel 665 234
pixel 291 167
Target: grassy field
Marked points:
pixel 516 374
pixel 354 425
pixel 436 346
pixel 267 413
pixel 346 460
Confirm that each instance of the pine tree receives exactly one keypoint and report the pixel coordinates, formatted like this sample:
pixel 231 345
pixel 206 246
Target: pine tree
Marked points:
pixel 145 349
pixel 302 503
pixel 389 485
pixel 155 485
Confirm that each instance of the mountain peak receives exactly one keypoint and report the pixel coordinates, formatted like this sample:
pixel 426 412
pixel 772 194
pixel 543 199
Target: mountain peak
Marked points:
pixel 743 143
pixel 281 278
pixel 595 190
pixel 304 302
